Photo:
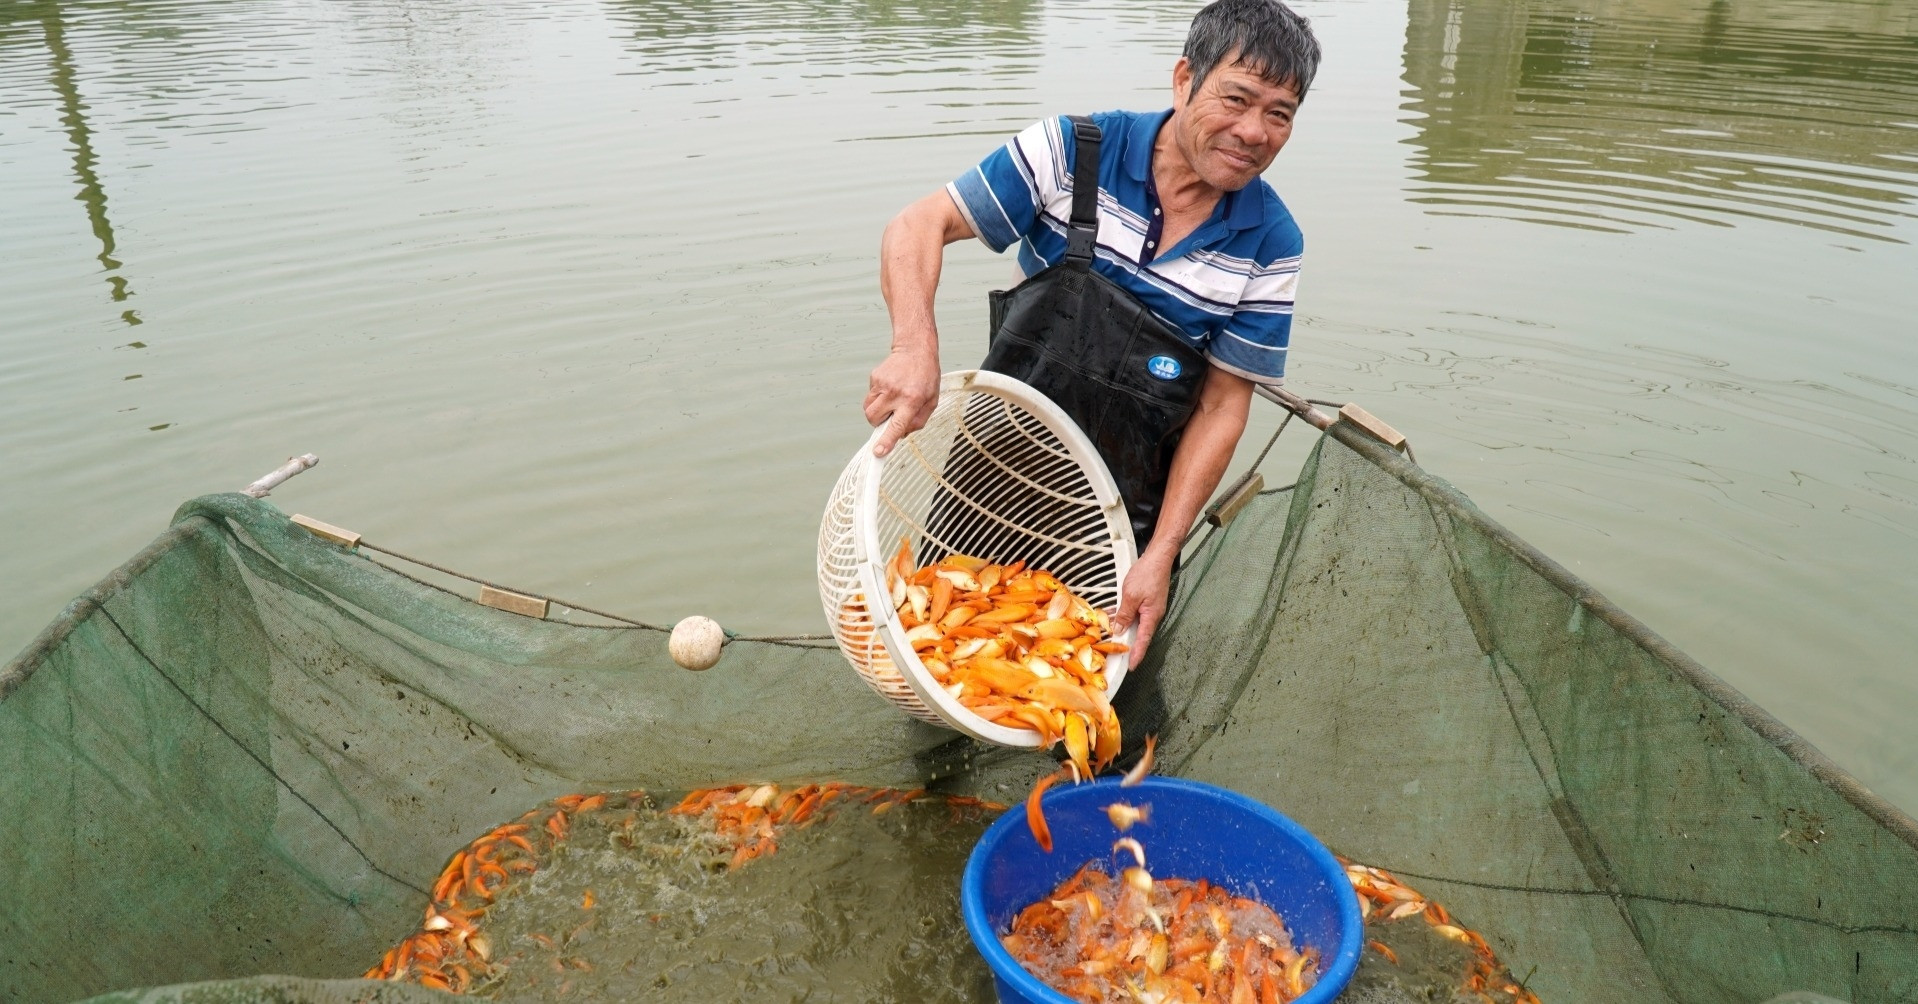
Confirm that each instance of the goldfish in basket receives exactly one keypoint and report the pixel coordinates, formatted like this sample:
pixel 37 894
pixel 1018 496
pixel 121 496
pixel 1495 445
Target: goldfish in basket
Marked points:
pixel 1013 645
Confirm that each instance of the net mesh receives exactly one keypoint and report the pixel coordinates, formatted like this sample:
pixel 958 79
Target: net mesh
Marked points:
pixel 248 752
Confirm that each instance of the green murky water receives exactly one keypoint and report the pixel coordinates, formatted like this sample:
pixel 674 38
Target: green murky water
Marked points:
pixel 859 907
pixel 580 296
pixel 638 904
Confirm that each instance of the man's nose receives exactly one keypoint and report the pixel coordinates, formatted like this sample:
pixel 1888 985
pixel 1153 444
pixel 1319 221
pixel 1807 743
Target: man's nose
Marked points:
pixel 1249 129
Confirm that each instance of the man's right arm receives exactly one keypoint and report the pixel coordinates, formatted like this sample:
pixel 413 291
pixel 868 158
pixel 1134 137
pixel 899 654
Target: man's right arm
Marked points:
pixel 998 202
pixel 904 387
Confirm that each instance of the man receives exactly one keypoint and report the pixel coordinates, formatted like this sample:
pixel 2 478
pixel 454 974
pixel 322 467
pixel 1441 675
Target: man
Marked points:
pixel 1182 296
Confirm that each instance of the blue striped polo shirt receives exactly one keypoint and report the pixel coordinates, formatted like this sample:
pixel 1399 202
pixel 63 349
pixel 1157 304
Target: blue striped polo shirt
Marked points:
pixel 1227 287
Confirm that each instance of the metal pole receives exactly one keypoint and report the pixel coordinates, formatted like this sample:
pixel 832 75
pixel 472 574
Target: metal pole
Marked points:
pixel 1296 405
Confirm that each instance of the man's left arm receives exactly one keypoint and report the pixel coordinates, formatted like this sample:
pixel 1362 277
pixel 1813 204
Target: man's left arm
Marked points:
pixel 1250 349
pixel 1204 452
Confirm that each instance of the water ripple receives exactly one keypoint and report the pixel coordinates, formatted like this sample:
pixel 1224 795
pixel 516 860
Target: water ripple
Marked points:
pixel 1621 115
pixel 581 292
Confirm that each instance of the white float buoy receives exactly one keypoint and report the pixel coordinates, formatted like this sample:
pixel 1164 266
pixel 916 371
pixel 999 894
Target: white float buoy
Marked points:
pixel 695 642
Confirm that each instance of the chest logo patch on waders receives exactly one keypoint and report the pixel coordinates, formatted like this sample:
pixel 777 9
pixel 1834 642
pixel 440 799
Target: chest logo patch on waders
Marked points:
pixel 1163 367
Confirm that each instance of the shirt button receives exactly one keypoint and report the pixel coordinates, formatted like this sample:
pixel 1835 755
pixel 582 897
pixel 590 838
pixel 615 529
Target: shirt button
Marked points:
pixel 1155 212
pixel 1152 244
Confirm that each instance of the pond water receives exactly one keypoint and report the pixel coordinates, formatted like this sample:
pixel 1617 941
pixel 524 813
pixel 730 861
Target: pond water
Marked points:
pixel 716 901
pixel 580 296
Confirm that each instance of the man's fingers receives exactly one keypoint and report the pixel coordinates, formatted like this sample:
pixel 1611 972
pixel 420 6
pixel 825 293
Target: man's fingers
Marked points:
pixel 897 428
pixel 1128 611
pixel 901 420
pixel 888 436
pixel 1148 623
pixel 924 414
pixel 901 395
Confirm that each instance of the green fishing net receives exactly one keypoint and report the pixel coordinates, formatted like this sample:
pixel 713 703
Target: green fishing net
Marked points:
pixel 241 760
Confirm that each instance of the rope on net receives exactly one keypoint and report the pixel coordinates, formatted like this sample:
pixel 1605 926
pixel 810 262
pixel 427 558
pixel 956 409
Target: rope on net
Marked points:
pixel 793 640
pixel 261 488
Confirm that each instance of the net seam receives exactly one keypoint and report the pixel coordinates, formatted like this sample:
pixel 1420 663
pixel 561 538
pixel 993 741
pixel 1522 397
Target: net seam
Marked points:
pixel 270 772
pixel 15 674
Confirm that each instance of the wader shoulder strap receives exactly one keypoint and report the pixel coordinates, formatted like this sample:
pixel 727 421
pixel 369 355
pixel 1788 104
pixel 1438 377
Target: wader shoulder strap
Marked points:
pixel 1084 232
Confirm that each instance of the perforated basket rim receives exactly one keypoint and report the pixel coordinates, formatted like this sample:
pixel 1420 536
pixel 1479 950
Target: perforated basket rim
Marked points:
pixel 869 555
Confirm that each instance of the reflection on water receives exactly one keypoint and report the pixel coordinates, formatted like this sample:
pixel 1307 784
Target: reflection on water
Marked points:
pixel 688 36
pixel 73 117
pixel 1622 114
pixel 979 55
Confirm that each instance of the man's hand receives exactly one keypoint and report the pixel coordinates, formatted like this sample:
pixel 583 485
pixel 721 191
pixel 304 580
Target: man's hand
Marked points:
pixel 905 385
pixel 1204 450
pixel 904 390
pixel 1142 599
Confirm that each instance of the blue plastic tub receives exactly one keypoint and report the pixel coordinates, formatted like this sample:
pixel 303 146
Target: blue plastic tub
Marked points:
pixel 1197 831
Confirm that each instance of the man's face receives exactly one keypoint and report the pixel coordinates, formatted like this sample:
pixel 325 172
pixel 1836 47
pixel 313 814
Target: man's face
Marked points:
pixel 1232 128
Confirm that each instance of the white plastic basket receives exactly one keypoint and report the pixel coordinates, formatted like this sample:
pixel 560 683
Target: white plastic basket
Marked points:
pixel 998 472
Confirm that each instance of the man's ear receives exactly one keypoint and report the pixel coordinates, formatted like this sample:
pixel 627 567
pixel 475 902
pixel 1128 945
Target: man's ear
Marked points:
pixel 1181 82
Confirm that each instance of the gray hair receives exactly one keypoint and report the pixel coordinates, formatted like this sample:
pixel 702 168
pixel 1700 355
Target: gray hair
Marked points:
pixel 1264 36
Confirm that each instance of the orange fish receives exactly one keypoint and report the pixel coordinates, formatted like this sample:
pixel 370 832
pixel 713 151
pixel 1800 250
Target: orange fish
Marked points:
pixel 1036 816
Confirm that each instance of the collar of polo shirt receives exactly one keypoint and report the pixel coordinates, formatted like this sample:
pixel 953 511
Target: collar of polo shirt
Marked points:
pixel 1243 209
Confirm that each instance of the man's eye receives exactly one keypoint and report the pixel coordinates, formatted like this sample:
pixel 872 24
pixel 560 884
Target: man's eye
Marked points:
pixel 1235 101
